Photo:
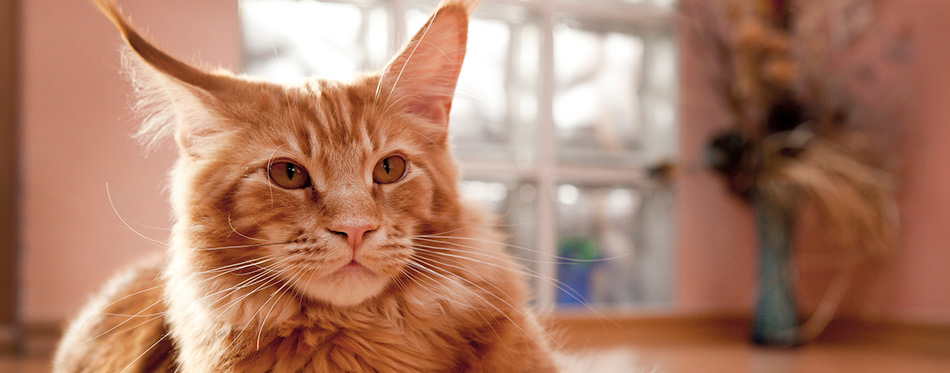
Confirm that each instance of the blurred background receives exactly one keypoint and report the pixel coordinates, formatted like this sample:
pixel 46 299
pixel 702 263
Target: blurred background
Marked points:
pixel 566 116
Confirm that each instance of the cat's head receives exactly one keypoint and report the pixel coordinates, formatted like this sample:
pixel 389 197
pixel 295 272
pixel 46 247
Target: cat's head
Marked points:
pixel 321 186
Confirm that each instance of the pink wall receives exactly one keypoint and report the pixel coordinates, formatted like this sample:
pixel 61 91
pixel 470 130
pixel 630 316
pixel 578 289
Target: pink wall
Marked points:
pixel 76 130
pixel 76 138
pixel 716 238
pixel 921 279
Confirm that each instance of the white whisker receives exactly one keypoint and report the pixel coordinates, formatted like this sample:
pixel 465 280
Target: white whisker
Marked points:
pixel 129 318
pixel 265 280
pixel 119 300
pixel 431 238
pixel 116 211
pixel 261 276
pixel 524 270
pixel 496 296
pixel 443 234
pixel 418 268
pixel 270 162
pixel 239 233
pixel 412 53
pixel 477 251
pixel 256 262
pixel 132 316
pixel 144 352
pixel 245 246
pixel 284 289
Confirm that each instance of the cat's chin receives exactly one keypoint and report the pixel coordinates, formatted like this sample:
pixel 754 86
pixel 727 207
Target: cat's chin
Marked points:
pixel 349 285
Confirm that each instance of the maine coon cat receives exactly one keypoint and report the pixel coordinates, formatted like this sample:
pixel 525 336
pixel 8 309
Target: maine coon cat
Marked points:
pixel 318 227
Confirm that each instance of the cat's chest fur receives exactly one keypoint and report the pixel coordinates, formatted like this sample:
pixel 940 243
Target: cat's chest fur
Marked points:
pixel 371 347
pixel 391 336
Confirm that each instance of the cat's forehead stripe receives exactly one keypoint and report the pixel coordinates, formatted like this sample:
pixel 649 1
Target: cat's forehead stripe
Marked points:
pixel 305 140
pixel 326 123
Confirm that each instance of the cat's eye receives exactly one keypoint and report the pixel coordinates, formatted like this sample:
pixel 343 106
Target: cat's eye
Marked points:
pixel 288 175
pixel 390 170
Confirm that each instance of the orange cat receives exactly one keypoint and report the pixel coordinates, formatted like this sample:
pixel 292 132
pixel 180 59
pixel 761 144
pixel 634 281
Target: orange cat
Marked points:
pixel 318 228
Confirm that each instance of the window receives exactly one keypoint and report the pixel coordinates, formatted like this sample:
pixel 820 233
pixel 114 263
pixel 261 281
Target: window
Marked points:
pixel 561 108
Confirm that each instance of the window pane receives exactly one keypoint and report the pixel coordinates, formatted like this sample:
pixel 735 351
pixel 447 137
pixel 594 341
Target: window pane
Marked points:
pixel 619 240
pixel 597 103
pixel 514 203
pixel 667 4
pixel 659 97
pixel 289 40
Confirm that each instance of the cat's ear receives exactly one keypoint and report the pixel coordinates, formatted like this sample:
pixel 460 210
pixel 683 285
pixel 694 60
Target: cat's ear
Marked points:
pixel 177 99
pixel 421 79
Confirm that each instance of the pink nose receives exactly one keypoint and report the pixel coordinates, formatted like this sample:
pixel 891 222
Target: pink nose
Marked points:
pixel 353 232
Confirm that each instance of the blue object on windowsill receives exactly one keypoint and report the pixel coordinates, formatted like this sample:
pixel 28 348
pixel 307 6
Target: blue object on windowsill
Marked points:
pixel 574 269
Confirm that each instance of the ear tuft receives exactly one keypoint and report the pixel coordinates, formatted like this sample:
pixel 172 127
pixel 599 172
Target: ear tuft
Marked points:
pixel 175 98
pixel 158 59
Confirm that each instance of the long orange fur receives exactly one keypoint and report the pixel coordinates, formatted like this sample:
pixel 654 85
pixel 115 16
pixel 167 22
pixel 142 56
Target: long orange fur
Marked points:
pixel 252 281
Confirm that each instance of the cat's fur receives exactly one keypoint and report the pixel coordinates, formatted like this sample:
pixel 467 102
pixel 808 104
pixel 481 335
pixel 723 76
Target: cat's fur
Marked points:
pixel 254 278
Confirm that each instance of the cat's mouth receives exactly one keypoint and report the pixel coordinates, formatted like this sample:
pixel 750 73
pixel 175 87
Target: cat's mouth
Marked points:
pixel 353 267
pixel 349 284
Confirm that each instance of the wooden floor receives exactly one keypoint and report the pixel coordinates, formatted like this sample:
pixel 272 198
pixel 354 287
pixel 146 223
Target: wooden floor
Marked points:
pixel 695 345
pixel 721 344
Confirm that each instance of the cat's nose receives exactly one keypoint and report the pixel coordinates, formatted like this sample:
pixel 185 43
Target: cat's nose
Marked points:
pixel 353 232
